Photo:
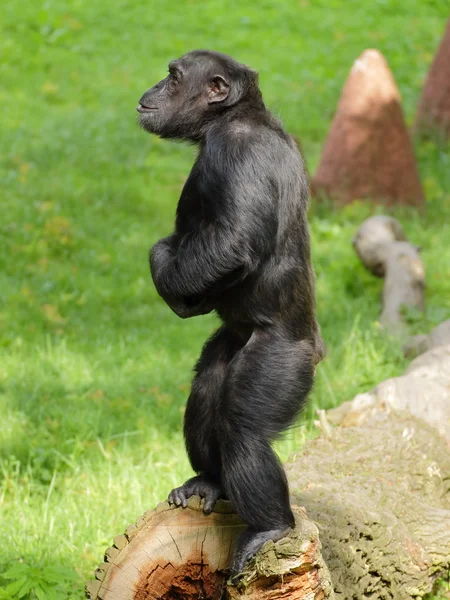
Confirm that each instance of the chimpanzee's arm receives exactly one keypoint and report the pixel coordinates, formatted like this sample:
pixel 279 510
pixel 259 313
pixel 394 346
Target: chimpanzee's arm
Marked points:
pixel 189 271
pixel 161 257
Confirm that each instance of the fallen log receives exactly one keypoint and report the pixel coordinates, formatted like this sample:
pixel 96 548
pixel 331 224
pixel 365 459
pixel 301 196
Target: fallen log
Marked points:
pixel 380 496
pixel 439 336
pixel 423 390
pixel 404 285
pixel 371 242
pixel 383 249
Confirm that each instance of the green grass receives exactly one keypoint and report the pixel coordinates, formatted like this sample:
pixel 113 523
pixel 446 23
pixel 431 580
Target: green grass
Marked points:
pixel 94 368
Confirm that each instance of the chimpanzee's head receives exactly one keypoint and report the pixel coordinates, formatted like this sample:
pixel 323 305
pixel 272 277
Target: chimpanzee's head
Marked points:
pixel 200 86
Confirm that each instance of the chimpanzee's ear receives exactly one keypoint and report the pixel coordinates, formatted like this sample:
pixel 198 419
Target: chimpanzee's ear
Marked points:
pixel 218 89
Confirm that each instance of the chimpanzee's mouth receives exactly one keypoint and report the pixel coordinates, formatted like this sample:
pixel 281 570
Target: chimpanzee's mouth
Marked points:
pixel 141 108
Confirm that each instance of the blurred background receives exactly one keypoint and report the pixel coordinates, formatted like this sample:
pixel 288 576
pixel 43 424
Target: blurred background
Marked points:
pixel 94 368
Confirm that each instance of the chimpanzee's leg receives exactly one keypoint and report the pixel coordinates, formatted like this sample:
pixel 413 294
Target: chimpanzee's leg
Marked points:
pixel 266 385
pixel 201 421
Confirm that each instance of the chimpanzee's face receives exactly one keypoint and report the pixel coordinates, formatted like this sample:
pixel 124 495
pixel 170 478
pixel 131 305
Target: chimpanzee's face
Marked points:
pixel 178 106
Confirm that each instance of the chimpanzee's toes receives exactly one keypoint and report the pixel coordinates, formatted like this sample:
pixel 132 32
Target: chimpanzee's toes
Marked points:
pixel 178 497
pixel 197 486
pixel 211 496
pixel 248 545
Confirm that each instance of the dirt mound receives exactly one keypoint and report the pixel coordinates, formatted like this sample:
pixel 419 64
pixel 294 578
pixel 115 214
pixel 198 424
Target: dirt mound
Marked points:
pixel 368 153
pixel 433 113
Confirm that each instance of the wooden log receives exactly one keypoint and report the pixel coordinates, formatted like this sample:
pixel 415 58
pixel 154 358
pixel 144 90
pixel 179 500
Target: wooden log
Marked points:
pixel 423 390
pixel 383 249
pixel 372 240
pixel 418 344
pixel 178 554
pixel 404 285
pixel 380 496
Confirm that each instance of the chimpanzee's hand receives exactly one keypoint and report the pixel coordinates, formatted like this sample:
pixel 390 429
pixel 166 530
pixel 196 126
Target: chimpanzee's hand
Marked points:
pixel 161 255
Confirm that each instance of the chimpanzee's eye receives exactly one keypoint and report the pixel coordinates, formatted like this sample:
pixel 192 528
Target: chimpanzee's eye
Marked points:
pixel 172 82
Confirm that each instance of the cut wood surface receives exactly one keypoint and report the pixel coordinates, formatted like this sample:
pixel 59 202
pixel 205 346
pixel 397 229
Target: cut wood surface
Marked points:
pixel 178 554
pixel 169 553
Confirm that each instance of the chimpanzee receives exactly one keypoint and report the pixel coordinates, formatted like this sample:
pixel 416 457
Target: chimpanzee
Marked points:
pixel 241 248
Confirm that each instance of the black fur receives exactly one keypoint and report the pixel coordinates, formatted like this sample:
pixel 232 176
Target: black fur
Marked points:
pixel 241 248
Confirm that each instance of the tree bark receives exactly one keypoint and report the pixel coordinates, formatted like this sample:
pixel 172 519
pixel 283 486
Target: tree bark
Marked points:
pixel 380 496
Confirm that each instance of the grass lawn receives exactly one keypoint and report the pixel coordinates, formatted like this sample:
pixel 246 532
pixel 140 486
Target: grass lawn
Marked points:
pixel 94 368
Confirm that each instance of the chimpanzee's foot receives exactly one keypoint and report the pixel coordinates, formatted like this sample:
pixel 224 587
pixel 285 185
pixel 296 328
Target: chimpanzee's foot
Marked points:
pixel 197 486
pixel 248 545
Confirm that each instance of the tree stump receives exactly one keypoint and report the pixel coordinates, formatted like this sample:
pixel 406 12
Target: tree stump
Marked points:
pixel 181 554
pixel 368 152
pixel 433 114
